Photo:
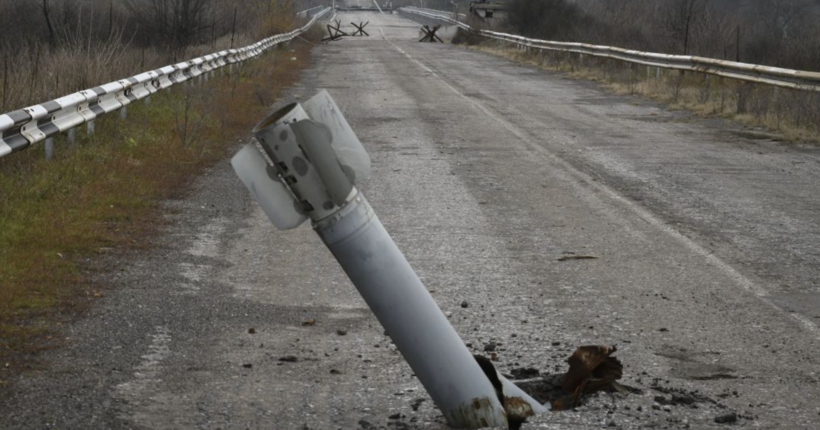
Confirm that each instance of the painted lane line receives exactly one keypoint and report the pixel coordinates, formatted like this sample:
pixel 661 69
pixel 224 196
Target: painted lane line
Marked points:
pixel 711 259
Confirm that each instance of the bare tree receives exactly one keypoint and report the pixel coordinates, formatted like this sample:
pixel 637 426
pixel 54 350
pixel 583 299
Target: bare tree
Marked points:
pixel 176 23
pixel 680 17
pixel 548 19
pixel 46 9
pixel 780 16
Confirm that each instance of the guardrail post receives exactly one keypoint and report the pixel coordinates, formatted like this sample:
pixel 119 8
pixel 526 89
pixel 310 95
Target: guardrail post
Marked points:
pixel 147 100
pixel 90 127
pixel 49 148
pixel 72 135
pixel 124 112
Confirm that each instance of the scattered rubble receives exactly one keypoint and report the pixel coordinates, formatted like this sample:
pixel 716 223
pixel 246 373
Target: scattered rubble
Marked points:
pixel 730 418
pixel 591 369
pixel 568 256
pixel 415 404
pixel 525 373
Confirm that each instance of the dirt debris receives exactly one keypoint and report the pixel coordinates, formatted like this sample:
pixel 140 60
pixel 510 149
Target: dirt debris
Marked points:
pixel 730 418
pixel 577 257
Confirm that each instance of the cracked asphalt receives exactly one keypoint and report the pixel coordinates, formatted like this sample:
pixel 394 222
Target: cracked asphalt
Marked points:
pixel 486 173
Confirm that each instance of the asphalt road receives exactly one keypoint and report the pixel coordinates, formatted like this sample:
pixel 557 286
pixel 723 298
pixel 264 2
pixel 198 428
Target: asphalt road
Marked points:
pixel 486 173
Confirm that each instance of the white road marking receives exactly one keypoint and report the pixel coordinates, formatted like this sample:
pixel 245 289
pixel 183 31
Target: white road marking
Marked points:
pixel 206 244
pixel 146 374
pixel 207 239
pixel 737 277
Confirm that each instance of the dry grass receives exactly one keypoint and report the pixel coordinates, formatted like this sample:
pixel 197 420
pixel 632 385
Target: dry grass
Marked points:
pixel 101 195
pixel 34 73
pixel 795 115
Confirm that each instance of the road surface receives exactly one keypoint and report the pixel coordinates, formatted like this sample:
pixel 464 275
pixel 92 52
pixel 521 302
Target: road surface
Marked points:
pixel 707 238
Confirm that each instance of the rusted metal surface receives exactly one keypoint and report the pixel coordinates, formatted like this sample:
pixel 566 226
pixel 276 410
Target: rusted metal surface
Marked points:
pixel 478 413
pixel 518 404
pixel 591 369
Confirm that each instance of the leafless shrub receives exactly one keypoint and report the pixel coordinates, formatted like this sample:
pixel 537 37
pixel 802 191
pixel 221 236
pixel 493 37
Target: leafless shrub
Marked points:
pixel 705 89
pixel 192 114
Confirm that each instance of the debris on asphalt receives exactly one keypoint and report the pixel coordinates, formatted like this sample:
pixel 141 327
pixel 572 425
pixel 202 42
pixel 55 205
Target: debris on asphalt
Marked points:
pixel 677 400
pixel 247 365
pixel 252 330
pixel 309 322
pixel 289 359
pixel 591 369
pixel 464 304
pixel 727 418
pixel 577 257
pixel 341 332
pixel 525 373
pixel 490 347
pixel 415 404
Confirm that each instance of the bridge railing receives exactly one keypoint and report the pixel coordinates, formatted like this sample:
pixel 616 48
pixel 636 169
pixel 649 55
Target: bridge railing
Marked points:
pixel 788 78
pixel 24 127
pixel 309 13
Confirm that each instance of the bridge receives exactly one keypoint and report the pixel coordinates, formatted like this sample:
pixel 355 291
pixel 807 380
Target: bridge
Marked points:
pixel 542 213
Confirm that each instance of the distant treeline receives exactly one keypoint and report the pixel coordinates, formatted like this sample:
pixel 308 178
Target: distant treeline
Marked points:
pixel 774 32
pixel 49 48
pixel 169 24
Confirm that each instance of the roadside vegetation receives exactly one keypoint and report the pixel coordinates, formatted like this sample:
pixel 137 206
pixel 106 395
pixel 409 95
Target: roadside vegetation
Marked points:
pixel 779 33
pixel 50 48
pixel 102 194
pixel 794 115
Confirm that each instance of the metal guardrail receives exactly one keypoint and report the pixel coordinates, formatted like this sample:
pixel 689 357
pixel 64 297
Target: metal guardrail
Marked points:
pixel 22 128
pixel 309 13
pixel 788 78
